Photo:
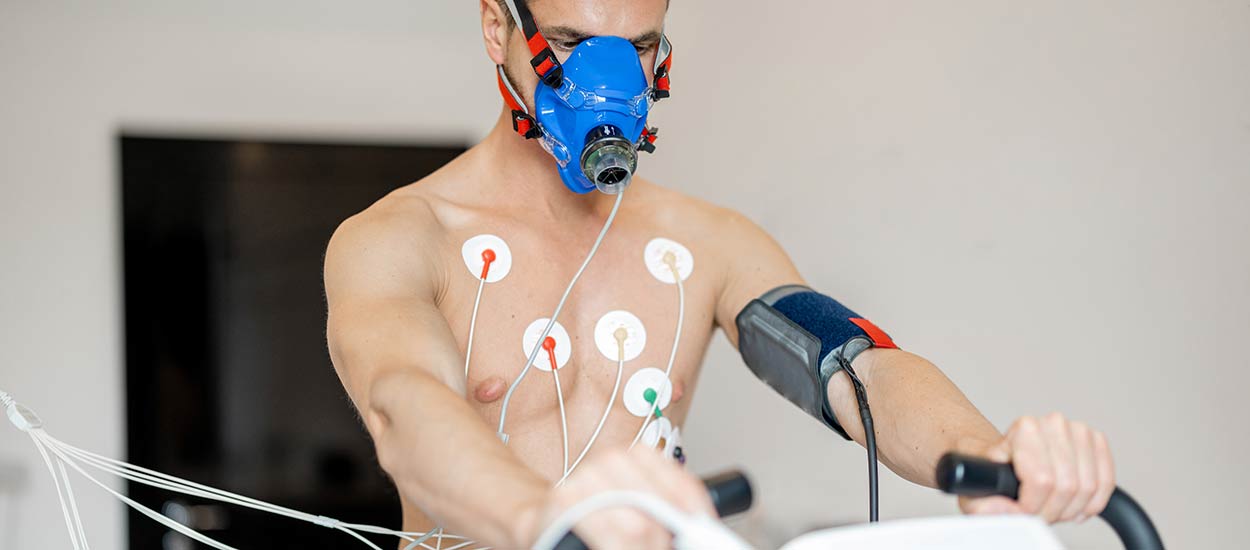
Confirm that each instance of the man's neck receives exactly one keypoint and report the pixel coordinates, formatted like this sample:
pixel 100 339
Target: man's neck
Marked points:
pixel 521 172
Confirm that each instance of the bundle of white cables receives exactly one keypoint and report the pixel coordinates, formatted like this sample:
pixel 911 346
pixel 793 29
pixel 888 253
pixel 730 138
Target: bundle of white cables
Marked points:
pixel 690 531
pixel 58 455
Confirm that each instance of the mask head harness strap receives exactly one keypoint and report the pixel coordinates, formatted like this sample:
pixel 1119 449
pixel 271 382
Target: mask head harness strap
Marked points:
pixel 549 71
pixel 663 65
pixel 522 122
pixel 544 60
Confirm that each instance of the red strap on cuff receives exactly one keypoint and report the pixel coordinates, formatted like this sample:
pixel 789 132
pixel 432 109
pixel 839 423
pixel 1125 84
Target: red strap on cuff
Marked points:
pixel 879 337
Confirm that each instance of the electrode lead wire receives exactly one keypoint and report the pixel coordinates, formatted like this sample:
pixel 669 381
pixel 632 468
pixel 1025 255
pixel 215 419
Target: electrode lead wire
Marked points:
pixel 507 398
pixel 52 449
pixel 620 369
pixel 672 356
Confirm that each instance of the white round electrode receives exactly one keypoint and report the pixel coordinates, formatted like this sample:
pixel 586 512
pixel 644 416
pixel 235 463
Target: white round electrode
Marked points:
pixel 564 346
pixel 472 253
pixel 605 335
pixel 658 429
pixel 654 256
pixel 635 393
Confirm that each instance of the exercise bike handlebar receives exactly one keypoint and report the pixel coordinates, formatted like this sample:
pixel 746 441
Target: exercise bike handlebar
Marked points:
pixel 731 494
pixel 976 477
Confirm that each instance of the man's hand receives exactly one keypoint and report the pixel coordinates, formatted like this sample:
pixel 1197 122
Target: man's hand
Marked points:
pixel 621 528
pixel 1065 470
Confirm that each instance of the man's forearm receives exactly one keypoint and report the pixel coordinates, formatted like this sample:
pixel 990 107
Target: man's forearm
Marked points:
pixel 918 412
pixel 444 458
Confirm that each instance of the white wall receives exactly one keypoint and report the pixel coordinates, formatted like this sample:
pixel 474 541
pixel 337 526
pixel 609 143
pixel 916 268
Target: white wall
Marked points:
pixel 1048 199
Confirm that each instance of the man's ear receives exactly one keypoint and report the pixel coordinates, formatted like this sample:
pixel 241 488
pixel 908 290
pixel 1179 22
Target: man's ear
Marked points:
pixel 495 27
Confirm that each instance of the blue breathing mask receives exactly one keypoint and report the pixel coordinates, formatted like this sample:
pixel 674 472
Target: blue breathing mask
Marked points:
pixel 591 110
pixel 591 124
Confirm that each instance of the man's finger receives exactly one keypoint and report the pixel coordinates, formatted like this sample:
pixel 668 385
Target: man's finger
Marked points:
pixel 612 528
pixel 1106 474
pixel 1086 472
pixel 621 528
pixel 1063 467
pixel 676 484
pixel 1031 461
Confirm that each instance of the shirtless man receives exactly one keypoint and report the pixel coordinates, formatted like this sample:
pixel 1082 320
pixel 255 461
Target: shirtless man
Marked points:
pixel 400 301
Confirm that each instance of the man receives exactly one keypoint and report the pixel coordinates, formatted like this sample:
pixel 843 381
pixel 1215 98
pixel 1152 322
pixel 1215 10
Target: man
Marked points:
pixel 400 302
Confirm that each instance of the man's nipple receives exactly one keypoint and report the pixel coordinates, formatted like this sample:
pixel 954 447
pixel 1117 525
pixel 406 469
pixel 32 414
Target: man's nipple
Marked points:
pixel 679 390
pixel 489 390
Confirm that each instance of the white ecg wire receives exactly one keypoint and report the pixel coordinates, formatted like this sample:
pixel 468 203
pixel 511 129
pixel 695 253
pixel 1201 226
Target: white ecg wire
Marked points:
pixel 468 348
pixel 70 525
pixel 620 369
pixel 468 355
pixel 690 531
pixel 507 398
pixel 564 423
pixel 57 454
pixel 672 357
pixel 662 511
pixel 53 450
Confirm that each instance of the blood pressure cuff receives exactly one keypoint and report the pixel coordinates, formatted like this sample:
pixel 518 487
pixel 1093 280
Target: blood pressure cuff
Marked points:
pixel 792 337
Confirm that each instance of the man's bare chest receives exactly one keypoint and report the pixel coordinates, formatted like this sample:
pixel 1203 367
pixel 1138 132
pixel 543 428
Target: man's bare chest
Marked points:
pixel 626 305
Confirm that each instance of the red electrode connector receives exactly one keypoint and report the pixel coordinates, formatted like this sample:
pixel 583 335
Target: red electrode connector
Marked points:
pixel 549 344
pixel 488 256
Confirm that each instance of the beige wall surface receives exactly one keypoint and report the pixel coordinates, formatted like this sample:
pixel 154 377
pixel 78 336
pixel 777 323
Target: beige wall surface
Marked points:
pixel 1048 199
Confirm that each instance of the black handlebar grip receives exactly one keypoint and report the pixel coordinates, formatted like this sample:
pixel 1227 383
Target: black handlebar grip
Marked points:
pixel 1131 523
pixel 977 477
pixel 730 491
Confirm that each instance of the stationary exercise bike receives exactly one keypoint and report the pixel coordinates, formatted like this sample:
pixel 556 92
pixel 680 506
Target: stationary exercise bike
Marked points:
pixel 956 474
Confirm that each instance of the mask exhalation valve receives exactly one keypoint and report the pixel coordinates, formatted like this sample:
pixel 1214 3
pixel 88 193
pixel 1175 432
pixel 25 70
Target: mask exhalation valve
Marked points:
pixel 609 159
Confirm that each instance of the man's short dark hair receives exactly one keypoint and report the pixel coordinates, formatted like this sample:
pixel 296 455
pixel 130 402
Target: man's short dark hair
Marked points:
pixel 503 6
pixel 507 13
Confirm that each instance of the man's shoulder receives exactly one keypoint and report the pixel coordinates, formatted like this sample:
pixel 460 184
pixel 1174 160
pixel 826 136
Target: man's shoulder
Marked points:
pixel 399 217
pixel 407 213
pixel 395 236
pixel 672 208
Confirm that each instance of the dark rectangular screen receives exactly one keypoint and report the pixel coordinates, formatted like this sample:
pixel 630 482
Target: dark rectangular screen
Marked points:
pixel 227 375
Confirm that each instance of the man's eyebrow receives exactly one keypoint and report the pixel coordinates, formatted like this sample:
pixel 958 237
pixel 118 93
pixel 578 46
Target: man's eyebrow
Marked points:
pixel 648 37
pixel 570 34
